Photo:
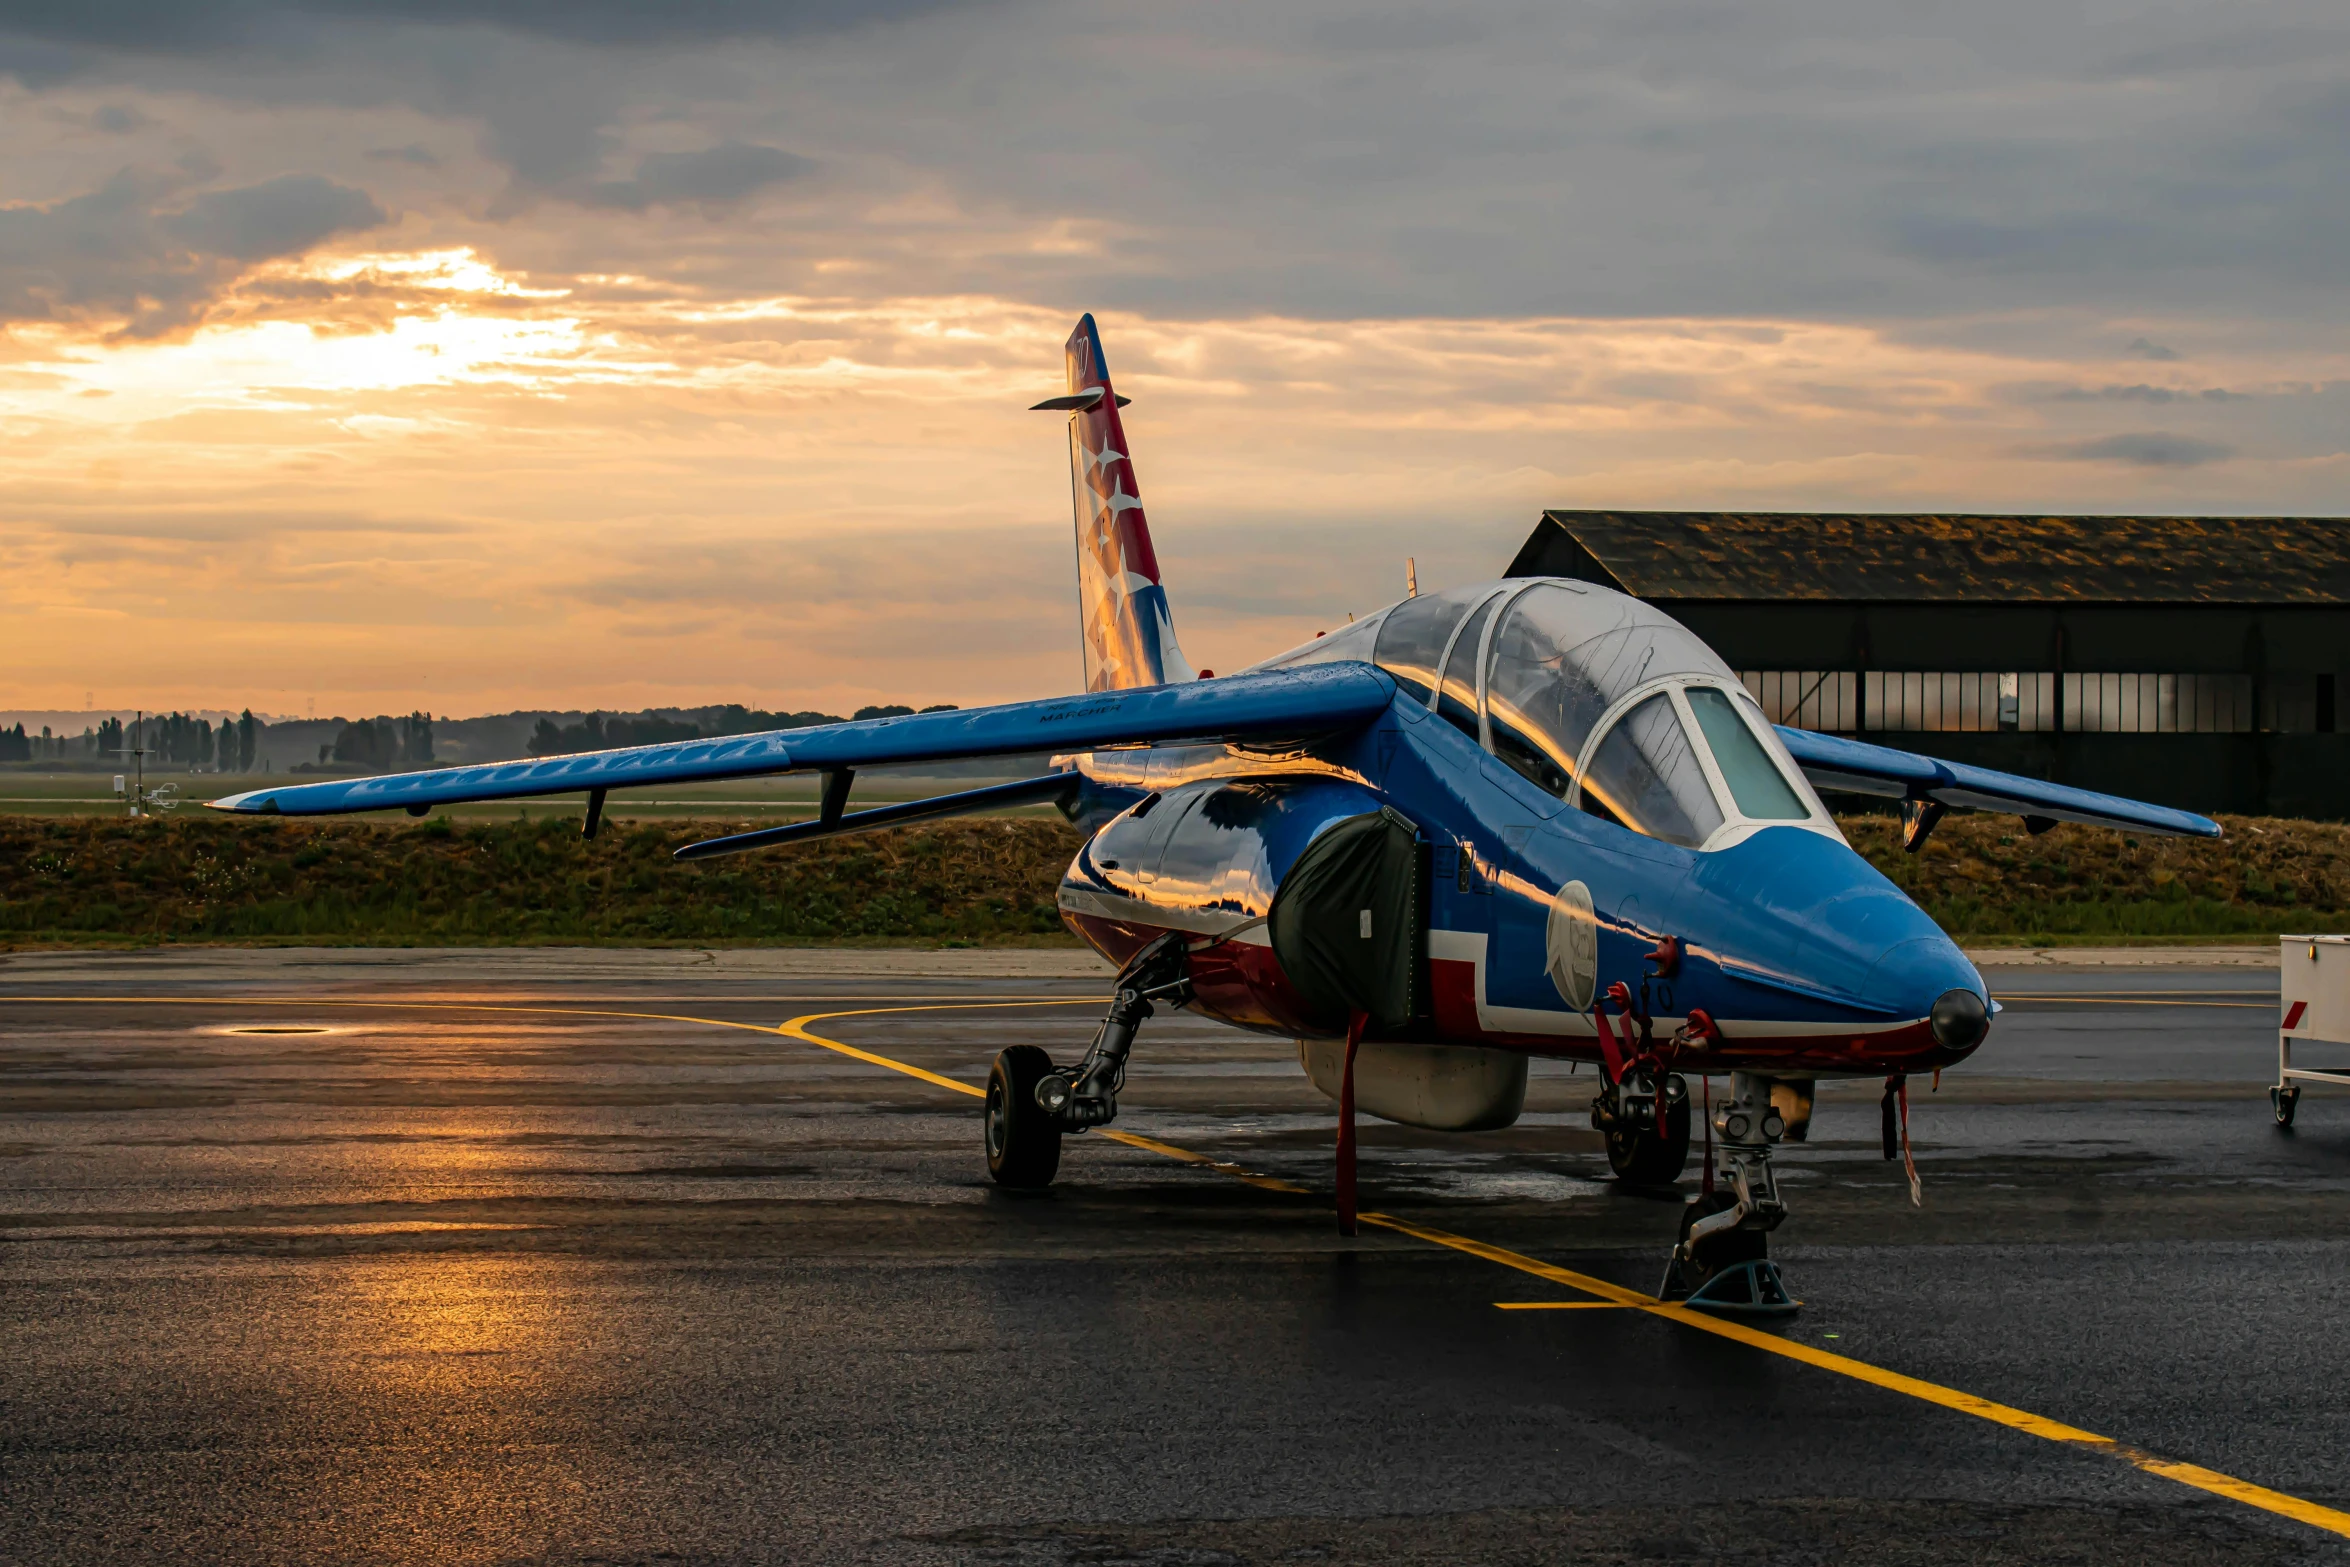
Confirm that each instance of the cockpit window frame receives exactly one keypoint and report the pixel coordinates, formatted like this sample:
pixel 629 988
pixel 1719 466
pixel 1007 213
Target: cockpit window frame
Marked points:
pixel 1452 641
pixel 1493 622
pixel 1736 825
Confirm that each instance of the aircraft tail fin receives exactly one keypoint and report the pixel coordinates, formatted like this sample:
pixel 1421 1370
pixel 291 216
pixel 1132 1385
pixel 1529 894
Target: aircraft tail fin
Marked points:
pixel 1129 635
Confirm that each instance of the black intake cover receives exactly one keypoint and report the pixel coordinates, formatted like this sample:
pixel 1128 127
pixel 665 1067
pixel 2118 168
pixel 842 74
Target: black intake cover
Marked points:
pixel 1350 922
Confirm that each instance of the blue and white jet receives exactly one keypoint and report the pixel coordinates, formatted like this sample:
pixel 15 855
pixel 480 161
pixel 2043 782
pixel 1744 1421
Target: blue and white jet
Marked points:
pixel 1531 817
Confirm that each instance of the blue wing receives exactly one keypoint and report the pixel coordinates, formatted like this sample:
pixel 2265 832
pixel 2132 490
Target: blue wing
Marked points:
pixel 1856 767
pixel 1316 699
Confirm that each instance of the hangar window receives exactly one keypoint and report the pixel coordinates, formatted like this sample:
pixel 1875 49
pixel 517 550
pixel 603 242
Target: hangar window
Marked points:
pixel 2140 704
pixel 1908 701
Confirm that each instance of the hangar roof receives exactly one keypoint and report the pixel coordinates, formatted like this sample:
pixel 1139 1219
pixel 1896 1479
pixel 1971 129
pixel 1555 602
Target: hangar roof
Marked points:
pixel 1909 558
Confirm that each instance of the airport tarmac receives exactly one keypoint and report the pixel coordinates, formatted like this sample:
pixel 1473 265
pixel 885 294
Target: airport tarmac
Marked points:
pixel 573 1256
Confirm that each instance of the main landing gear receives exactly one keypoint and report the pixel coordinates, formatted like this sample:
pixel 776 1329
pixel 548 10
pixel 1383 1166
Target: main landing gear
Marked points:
pixel 1722 1260
pixel 1644 1115
pixel 1642 1107
pixel 1031 1102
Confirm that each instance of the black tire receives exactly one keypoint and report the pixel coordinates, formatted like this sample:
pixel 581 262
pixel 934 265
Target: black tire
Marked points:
pixel 1722 1251
pixel 1642 1158
pixel 2285 1103
pixel 1023 1145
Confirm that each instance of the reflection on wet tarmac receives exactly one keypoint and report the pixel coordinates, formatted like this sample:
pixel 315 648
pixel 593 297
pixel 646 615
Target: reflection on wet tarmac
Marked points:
pixel 451 1284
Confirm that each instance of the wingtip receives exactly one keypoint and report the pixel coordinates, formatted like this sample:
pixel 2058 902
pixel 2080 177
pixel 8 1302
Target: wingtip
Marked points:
pixel 253 802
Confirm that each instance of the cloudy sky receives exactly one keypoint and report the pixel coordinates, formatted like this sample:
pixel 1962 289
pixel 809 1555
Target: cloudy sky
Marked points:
pixel 474 355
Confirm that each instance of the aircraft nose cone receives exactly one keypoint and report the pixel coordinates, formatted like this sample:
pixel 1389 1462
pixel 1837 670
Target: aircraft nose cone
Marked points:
pixel 1959 1020
pixel 1927 976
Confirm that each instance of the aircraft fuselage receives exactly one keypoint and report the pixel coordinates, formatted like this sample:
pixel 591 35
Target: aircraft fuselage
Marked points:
pixel 1810 962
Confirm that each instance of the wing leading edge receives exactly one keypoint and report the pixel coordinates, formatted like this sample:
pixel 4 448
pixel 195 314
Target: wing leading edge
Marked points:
pixel 1316 699
pixel 1856 767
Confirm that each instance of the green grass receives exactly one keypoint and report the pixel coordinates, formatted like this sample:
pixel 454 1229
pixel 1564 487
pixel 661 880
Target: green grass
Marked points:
pixel 194 877
pixel 1987 881
pixel 106 880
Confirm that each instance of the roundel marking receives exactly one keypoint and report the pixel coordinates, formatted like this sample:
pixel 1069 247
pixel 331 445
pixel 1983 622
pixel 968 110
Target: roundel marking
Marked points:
pixel 1572 944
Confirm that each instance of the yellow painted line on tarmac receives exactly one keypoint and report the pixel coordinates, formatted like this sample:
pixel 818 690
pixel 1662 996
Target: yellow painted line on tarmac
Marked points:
pixel 797 1028
pixel 1610 1294
pixel 1271 1183
pixel 2316 1515
pixel 2333 1520
pixel 1566 1305
pixel 2124 1001
pixel 2121 995
pixel 307 1003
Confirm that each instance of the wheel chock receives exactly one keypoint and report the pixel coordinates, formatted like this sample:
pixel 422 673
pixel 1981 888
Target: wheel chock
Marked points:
pixel 1743 1289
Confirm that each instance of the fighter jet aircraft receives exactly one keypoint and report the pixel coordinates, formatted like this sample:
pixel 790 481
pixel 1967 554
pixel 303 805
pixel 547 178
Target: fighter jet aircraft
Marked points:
pixel 1531 817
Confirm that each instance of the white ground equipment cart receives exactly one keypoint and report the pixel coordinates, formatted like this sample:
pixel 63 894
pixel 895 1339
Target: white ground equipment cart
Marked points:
pixel 2313 974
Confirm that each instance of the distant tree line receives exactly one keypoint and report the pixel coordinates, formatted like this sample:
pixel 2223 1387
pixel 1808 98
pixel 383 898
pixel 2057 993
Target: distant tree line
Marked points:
pixel 17 746
pixel 597 733
pixel 383 744
pixel 388 743
pixel 180 739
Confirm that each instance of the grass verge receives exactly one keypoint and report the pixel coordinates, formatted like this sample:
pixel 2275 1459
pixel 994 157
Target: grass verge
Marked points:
pixel 93 881
pixel 83 881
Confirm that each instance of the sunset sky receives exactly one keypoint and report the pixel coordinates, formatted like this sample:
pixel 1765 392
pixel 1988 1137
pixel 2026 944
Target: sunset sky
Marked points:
pixel 425 353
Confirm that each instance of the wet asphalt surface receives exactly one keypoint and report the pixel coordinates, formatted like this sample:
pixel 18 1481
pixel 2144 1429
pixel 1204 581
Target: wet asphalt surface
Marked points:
pixel 483 1273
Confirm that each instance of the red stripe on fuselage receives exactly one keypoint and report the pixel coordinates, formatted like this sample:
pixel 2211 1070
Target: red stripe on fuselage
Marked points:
pixel 1242 984
pixel 1908 1048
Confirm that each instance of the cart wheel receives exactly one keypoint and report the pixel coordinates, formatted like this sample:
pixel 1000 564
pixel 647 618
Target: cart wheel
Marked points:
pixel 2286 1101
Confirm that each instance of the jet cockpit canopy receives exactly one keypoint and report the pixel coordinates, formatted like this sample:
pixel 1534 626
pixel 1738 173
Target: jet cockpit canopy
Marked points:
pixel 1598 699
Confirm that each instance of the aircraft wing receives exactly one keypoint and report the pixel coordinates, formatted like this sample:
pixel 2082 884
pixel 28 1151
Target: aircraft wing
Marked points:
pixel 1285 703
pixel 1856 767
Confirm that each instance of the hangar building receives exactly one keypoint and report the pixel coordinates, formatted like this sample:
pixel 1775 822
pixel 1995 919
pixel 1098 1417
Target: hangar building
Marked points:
pixel 2197 661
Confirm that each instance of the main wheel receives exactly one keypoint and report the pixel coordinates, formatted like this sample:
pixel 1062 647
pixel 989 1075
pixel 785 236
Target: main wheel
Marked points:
pixel 1723 1250
pixel 1645 1158
pixel 2286 1101
pixel 1023 1145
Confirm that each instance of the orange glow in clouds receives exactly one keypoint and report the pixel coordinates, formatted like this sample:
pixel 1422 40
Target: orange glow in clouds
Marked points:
pixel 390 480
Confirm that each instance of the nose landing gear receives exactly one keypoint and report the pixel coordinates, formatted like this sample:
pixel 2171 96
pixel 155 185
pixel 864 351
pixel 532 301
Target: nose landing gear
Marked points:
pixel 1722 1261
pixel 1031 1102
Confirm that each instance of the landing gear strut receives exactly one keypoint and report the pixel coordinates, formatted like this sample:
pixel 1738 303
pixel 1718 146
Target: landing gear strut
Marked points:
pixel 1723 1259
pixel 1031 1102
